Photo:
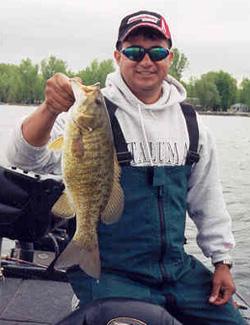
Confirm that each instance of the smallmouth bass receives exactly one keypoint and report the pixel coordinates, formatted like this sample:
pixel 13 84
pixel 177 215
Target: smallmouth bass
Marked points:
pixel 91 175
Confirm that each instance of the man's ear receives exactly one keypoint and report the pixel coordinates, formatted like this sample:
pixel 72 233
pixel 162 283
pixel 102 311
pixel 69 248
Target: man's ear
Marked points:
pixel 117 56
pixel 171 56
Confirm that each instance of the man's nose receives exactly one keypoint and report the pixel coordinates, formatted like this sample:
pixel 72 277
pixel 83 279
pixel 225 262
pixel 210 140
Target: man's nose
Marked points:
pixel 146 60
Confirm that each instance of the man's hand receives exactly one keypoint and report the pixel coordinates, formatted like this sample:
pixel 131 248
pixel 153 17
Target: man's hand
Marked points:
pixel 58 94
pixel 59 97
pixel 223 285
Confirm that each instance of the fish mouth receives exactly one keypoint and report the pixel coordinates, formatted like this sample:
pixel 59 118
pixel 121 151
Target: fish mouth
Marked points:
pixel 91 90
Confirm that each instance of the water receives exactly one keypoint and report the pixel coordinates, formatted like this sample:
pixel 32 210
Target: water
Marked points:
pixel 9 116
pixel 233 143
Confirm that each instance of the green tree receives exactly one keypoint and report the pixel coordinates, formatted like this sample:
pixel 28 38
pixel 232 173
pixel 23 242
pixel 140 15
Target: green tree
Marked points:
pixel 30 81
pixel 51 66
pixel 226 86
pixel 190 87
pixel 3 84
pixel 179 64
pixel 9 83
pixel 217 89
pixel 205 89
pixel 105 67
pixel 39 94
pixel 96 72
pixel 244 92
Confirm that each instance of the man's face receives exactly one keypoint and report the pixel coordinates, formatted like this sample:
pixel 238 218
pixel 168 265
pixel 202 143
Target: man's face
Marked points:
pixel 144 78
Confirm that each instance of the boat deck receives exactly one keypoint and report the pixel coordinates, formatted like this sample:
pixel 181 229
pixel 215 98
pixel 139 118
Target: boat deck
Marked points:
pixel 30 301
pixel 44 302
pixel 33 296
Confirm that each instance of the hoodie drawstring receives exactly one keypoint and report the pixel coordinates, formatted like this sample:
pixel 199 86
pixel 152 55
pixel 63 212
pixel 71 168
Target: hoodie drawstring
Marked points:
pixel 145 135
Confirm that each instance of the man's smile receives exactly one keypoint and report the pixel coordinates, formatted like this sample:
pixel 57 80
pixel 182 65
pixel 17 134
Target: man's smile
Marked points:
pixel 145 73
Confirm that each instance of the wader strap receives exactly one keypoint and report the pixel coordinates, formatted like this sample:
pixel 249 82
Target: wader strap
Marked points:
pixel 193 132
pixel 123 155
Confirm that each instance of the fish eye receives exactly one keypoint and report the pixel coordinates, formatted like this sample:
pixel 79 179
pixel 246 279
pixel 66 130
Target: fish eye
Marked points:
pixel 98 101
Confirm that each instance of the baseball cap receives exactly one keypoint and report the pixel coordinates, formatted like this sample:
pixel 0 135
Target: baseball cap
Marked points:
pixel 143 19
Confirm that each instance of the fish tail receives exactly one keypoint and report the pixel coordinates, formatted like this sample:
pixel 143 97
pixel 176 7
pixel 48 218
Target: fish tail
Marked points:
pixel 87 259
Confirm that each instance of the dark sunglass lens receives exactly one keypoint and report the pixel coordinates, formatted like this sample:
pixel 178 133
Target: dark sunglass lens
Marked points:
pixel 134 53
pixel 158 53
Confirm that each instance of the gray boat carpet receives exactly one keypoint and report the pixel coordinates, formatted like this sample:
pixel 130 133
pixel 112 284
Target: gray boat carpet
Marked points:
pixel 30 302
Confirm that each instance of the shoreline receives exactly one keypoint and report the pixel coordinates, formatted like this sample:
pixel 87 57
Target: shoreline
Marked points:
pixel 245 114
pixel 18 104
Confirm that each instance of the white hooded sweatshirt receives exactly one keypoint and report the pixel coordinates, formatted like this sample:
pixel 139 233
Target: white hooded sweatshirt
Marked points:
pixel 156 135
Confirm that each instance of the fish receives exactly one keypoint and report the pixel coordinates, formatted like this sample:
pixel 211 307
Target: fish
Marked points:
pixel 91 174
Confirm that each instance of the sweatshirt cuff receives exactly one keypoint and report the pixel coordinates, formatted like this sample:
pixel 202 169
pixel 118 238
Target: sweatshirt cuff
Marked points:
pixel 220 257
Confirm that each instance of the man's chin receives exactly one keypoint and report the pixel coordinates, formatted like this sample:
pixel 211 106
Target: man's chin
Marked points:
pixel 146 85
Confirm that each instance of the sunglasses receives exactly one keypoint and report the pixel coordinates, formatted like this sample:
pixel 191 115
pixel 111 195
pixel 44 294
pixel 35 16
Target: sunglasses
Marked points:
pixel 137 53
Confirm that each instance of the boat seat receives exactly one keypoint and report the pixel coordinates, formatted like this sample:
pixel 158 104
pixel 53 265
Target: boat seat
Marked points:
pixel 119 311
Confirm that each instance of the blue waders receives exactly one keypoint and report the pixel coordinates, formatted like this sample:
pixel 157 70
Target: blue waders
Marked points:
pixel 142 255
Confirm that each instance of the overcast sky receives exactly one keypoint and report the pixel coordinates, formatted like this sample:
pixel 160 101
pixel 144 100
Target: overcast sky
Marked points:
pixel 213 34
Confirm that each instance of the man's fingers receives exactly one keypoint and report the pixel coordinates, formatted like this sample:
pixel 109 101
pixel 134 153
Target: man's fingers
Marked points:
pixel 58 103
pixel 215 293
pixel 224 297
pixel 62 85
pixel 55 95
pixel 59 95
pixel 64 95
pixel 222 286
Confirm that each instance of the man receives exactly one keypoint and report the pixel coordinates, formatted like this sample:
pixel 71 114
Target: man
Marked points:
pixel 173 169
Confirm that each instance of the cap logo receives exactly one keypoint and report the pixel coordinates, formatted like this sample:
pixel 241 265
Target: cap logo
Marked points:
pixel 149 18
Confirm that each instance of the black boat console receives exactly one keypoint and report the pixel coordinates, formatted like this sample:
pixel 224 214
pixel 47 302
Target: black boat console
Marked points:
pixel 26 200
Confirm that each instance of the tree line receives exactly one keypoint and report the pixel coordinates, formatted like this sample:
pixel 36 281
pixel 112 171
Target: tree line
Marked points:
pixel 218 91
pixel 25 83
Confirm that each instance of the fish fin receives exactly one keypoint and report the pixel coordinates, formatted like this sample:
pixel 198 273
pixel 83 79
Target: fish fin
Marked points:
pixel 56 144
pixel 63 207
pixel 88 260
pixel 114 207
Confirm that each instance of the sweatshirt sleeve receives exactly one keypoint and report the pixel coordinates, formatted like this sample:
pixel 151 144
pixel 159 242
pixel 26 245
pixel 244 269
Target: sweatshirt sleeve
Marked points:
pixel 21 154
pixel 205 202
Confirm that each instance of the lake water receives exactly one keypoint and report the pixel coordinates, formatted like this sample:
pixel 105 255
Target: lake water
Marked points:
pixel 233 143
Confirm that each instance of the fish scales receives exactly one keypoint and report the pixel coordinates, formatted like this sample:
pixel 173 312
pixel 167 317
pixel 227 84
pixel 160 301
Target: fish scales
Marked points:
pixel 91 176
pixel 94 172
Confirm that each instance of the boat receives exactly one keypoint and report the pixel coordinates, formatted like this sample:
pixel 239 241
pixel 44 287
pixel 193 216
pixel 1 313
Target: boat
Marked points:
pixel 31 290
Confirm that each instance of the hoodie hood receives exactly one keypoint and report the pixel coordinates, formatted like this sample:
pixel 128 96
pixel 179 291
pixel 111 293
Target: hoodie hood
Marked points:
pixel 155 134
pixel 118 92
